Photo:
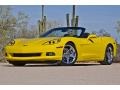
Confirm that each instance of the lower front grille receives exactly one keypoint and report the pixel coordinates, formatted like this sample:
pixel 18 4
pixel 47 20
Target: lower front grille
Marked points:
pixel 26 54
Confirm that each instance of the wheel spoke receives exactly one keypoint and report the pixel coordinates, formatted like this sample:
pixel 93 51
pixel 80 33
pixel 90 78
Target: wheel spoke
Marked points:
pixel 69 54
pixel 73 55
pixel 109 55
pixel 66 51
pixel 71 49
pixel 68 61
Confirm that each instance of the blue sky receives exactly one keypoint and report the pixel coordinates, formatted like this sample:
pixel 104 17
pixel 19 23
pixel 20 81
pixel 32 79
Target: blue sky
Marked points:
pixel 93 18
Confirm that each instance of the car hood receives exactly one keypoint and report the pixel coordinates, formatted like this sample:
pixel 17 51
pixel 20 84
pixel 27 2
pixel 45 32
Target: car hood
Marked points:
pixel 34 41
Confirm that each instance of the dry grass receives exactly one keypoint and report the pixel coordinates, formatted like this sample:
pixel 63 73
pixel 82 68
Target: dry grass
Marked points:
pixel 117 59
pixel 2 58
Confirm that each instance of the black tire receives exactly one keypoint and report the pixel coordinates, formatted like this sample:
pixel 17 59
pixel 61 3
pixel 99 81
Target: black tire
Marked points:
pixel 17 63
pixel 108 59
pixel 69 54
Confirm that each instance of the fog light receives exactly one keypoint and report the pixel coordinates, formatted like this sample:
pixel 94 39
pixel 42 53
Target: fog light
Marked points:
pixel 50 54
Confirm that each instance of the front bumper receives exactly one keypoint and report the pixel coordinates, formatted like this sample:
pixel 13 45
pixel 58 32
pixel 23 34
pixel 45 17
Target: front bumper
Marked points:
pixel 10 50
pixel 43 58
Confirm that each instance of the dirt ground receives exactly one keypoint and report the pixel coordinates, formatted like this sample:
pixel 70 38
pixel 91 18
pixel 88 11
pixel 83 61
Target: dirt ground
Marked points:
pixel 79 74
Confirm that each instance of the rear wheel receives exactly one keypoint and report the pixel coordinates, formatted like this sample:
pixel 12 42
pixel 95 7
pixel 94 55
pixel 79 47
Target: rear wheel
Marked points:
pixel 69 54
pixel 108 59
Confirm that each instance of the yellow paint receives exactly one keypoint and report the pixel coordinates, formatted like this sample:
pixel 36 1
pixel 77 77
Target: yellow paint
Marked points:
pixel 88 49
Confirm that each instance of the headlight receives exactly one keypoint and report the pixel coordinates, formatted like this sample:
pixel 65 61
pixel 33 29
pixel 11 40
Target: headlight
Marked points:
pixel 11 43
pixel 55 41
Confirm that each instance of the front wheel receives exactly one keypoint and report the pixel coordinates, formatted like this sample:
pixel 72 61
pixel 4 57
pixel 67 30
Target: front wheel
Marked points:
pixel 69 54
pixel 108 59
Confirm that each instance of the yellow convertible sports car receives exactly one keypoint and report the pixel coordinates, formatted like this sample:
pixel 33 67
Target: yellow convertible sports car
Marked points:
pixel 64 46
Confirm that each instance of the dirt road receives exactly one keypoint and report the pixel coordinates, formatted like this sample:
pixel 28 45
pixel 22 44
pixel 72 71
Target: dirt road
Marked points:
pixel 49 74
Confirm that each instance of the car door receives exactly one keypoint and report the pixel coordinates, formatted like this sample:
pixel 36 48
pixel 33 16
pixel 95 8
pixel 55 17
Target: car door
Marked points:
pixel 90 48
pixel 96 48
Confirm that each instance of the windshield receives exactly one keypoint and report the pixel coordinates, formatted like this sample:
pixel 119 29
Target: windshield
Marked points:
pixel 64 32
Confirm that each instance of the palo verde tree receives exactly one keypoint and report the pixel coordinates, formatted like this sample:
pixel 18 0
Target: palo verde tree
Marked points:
pixel 10 24
pixel 7 24
pixel 101 32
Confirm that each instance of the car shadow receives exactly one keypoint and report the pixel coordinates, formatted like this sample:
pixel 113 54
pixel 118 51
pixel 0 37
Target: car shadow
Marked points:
pixel 62 65
pixel 52 65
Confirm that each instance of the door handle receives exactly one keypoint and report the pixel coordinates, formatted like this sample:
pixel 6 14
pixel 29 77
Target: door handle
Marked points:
pixel 91 40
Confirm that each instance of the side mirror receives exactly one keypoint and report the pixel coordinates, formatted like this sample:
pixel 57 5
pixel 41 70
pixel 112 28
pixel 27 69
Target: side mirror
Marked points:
pixel 92 36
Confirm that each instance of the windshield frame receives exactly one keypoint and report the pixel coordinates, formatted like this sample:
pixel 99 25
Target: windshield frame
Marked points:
pixel 63 28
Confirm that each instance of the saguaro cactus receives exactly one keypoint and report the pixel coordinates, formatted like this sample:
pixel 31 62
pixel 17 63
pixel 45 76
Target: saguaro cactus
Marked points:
pixel 67 19
pixel 42 22
pixel 74 19
pixel 76 22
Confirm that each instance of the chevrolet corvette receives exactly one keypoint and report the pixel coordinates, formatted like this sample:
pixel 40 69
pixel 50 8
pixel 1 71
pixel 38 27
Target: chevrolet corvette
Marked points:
pixel 63 46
